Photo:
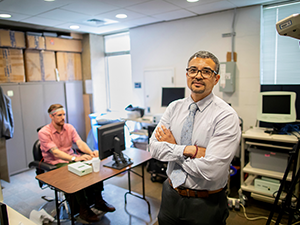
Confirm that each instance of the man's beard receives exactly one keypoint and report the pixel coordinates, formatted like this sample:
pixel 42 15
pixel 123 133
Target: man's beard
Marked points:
pixel 197 90
pixel 61 123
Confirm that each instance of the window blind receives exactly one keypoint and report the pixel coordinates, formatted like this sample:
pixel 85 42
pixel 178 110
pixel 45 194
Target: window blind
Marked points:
pixel 280 62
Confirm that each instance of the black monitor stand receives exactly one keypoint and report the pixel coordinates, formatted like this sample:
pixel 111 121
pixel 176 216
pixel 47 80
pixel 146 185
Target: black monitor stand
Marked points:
pixel 119 161
pixel 274 130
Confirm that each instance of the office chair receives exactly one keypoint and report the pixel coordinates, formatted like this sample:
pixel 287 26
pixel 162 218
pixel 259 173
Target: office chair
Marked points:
pixel 42 167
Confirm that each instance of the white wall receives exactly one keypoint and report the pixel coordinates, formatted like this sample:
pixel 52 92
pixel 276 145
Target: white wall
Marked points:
pixel 170 44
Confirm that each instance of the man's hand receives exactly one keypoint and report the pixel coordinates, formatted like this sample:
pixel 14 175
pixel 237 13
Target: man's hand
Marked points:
pixel 164 134
pixel 95 154
pixel 84 157
pixel 190 151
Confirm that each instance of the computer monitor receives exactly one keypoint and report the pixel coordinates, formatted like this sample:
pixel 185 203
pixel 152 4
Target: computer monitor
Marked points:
pixel 111 141
pixel 170 94
pixel 276 107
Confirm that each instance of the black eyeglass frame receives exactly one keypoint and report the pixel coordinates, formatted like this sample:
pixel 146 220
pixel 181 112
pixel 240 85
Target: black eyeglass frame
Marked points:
pixel 214 72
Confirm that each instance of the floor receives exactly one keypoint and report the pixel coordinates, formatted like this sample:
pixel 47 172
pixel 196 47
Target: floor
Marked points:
pixel 24 195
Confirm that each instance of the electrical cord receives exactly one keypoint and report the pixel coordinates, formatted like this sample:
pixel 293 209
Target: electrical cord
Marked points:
pixel 256 218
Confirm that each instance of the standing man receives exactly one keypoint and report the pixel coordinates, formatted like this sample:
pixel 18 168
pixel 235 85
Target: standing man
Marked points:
pixel 198 137
pixel 56 141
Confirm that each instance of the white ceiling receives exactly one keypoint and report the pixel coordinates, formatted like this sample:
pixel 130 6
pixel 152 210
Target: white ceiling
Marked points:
pixel 61 14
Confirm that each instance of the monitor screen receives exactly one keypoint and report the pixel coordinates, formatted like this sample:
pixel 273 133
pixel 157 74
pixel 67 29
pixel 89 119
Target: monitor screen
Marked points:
pixel 277 107
pixel 111 141
pixel 170 94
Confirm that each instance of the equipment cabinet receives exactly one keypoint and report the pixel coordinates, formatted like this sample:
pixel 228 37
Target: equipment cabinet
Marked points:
pixel 258 138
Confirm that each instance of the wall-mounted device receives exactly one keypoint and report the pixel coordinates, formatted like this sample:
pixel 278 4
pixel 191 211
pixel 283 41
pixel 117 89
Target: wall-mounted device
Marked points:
pixel 227 77
pixel 289 26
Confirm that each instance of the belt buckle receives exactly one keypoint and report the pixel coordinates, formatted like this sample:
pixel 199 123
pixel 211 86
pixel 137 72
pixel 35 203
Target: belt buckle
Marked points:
pixel 188 192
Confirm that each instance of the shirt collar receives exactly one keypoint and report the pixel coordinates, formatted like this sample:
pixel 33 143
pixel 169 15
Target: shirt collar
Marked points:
pixel 203 103
pixel 53 130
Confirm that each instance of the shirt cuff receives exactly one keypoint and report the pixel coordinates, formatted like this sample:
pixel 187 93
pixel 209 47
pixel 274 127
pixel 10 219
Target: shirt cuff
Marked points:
pixel 177 150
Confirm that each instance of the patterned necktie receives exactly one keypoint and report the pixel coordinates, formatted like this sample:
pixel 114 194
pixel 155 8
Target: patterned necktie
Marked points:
pixel 178 175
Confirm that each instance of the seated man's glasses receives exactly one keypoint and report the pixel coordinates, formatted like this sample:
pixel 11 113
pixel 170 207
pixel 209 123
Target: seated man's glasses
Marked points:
pixel 205 73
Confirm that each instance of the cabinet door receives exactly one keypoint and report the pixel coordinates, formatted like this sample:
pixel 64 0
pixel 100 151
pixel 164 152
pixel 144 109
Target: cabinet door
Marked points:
pixel 15 147
pixel 75 109
pixel 54 93
pixel 32 103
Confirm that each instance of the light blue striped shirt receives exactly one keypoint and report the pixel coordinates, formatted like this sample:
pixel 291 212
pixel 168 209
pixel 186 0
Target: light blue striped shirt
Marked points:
pixel 216 128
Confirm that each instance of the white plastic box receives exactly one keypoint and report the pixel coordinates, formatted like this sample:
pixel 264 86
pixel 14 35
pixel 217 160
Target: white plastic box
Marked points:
pixel 80 168
pixel 268 160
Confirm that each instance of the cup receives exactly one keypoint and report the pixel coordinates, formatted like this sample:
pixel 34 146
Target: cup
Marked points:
pixel 96 164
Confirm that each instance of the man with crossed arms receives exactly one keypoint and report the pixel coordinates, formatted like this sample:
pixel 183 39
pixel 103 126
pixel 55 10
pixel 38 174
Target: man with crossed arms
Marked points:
pixel 203 165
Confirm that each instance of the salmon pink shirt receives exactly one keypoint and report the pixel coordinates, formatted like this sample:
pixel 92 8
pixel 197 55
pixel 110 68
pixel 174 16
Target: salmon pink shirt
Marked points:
pixel 50 138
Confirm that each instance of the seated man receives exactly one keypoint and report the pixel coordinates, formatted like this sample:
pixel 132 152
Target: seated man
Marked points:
pixel 56 144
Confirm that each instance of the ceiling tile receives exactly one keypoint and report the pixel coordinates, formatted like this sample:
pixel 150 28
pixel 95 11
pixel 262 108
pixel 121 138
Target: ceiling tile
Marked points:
pixel 174 15
pixel 153 7
pixel 14 16
pixel 90 7
pixel 211 7
pixel 64 15
pixel 112 15
pixel 185 4
pixel 31 7
pixel 241 3
pixel 122 3
pixel 144 20
pixel 42 21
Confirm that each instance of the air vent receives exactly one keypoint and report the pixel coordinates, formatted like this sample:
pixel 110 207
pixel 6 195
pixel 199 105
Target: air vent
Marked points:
pixel 99 22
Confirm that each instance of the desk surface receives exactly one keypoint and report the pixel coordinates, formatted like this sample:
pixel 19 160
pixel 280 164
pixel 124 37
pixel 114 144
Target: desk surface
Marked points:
pixel 71 183
pixel 258 133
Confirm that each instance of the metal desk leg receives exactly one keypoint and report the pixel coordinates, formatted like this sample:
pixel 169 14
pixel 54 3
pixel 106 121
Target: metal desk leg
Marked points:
pixel 143 183
pixel 57 207
pixel 72 209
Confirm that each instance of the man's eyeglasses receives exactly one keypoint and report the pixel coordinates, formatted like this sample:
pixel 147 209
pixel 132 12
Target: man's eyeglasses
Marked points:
pixel 205 73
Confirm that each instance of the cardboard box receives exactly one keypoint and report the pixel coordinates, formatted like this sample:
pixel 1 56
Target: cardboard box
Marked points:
pixel 76 35
pixel 12 39
pixel 40 65
pixel 62 44
pixel 35 42
pixel 11 65
pixel 69 66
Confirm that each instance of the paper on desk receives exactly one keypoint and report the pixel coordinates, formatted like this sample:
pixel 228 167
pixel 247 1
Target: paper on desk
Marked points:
pixel 39 217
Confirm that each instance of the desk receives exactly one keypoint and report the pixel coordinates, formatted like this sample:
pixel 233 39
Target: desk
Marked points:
pixel 63 180
pixel 257 137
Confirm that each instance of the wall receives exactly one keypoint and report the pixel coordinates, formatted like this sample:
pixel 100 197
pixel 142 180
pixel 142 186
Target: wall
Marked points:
pixel 170 44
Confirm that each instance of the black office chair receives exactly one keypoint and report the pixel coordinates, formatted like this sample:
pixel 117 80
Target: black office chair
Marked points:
pixel 38 163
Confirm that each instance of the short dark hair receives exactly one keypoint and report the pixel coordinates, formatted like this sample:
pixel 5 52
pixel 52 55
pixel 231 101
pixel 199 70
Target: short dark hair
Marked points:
pixel 54 106
pixel 206 55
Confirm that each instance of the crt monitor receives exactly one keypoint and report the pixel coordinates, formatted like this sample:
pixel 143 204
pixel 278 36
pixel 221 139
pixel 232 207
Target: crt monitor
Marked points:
pixel 170 94
pixel 111 141
pixel 276 107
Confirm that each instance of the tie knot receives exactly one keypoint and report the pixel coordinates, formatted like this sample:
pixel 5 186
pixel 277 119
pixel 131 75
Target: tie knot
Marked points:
pixel 193 107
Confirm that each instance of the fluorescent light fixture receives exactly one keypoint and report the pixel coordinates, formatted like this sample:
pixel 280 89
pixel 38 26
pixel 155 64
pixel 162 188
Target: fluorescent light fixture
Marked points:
pixel 49 0
pixel 121 16
pixel 5 15
pixel 74 27
pixel 192 0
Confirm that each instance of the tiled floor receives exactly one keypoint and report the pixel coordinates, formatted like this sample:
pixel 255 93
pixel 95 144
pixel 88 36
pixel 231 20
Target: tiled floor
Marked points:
pixel 24 195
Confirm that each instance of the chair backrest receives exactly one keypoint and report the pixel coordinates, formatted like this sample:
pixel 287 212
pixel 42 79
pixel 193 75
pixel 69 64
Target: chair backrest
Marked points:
pixel 36 150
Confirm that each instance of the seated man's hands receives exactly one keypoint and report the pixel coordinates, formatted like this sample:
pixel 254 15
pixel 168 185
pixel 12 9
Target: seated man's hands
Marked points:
pixel 164 134
pixel 84 157
pixel 95 154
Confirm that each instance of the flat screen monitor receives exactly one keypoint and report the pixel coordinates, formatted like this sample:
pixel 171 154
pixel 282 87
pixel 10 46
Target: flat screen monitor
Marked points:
pixel 111 141
pixel 277 107
pixel 170 94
